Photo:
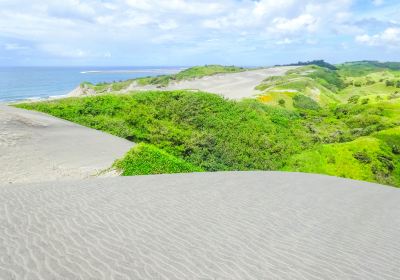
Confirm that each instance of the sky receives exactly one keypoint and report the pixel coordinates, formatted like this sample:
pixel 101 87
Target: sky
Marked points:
pixel 194 32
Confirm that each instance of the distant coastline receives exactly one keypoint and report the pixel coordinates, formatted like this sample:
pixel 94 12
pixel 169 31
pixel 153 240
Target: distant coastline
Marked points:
pixel 37 83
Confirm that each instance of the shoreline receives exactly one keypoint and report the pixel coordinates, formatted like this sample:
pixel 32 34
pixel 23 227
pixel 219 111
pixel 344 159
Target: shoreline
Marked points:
pixel 42 83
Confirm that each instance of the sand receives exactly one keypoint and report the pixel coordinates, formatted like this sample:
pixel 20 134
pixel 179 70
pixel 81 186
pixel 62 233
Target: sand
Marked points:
pixel 233 225
pixel 233 85
pixel 36 147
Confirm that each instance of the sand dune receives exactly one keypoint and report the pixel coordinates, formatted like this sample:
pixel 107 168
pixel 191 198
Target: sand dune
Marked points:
pixel 234 225
pixel 232 85
pixel 38 147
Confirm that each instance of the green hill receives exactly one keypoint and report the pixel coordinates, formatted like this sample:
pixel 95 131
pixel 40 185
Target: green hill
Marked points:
pixel 164 80
pixel 316 83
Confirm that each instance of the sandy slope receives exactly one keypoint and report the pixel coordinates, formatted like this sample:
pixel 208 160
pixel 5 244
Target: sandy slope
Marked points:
pixel 233 85
pixel 234 225
pixel 37 147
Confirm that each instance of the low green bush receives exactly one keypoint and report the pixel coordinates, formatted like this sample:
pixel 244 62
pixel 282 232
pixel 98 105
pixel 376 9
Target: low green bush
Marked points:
pixel 301 101
pixel 144 159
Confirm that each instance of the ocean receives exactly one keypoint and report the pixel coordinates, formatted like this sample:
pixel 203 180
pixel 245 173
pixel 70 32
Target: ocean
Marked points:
pixel 19 83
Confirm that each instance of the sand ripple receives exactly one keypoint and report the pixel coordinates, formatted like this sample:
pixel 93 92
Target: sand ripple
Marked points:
pixel 245 225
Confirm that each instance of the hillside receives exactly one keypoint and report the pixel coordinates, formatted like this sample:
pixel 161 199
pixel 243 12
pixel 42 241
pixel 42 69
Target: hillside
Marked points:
pixel 163 80
pixel 312 119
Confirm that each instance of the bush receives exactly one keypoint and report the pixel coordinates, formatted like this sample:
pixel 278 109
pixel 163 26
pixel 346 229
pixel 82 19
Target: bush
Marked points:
pixel 304 102
pixel 362 157
pixel 365 101
pixel 354 99
pixel 282 102
pixel 144 159
pixel 389 83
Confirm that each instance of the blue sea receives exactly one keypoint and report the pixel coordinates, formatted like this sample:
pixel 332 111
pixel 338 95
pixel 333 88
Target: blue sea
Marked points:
pixel 19 83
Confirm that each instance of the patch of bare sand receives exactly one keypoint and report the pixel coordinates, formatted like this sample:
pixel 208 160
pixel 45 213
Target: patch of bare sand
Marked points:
pixel 35 147
pixel 233 85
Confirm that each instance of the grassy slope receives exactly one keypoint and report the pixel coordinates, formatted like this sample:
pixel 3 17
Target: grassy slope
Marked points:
pixel 314 82
pixel 365 150
pixel 371 158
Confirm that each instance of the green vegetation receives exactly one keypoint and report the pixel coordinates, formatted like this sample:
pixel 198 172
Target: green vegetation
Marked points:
pixel 343 122
pixel 317 83
pixel 146 159
pixel 203 129
pixel 320 63
pixel 362 68
pixel 304 102
pixel 368 158
pixel 190 73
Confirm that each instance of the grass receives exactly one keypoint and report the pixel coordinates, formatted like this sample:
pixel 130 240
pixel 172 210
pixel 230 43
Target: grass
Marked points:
pixel 366 158
pixel 314 82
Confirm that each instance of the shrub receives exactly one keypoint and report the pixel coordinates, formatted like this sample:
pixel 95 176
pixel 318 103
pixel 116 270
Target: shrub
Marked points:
pixel 282 102
pixel 353 99
pixel 304 102
pixel 389 83
pixel 362 157
pixel 144 159
pixel 365 101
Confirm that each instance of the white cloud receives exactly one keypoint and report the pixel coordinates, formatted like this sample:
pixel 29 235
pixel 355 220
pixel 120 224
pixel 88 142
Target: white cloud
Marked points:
pixel 304 22
pixel 92 28
pixel 285 41
pixel 378 2
pixel 168 24
pixel 14 47
pixel 389 38
pixel 72 52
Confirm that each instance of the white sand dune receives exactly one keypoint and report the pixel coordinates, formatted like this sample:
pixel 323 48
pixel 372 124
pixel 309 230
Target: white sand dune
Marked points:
pixel 38 147
pixel 233 85
pixel 233 225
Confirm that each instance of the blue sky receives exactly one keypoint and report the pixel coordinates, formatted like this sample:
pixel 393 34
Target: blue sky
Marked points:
pixel 183 32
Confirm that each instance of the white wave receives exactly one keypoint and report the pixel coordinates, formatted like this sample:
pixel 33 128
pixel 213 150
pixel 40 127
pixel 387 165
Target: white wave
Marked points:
pixel 174 70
